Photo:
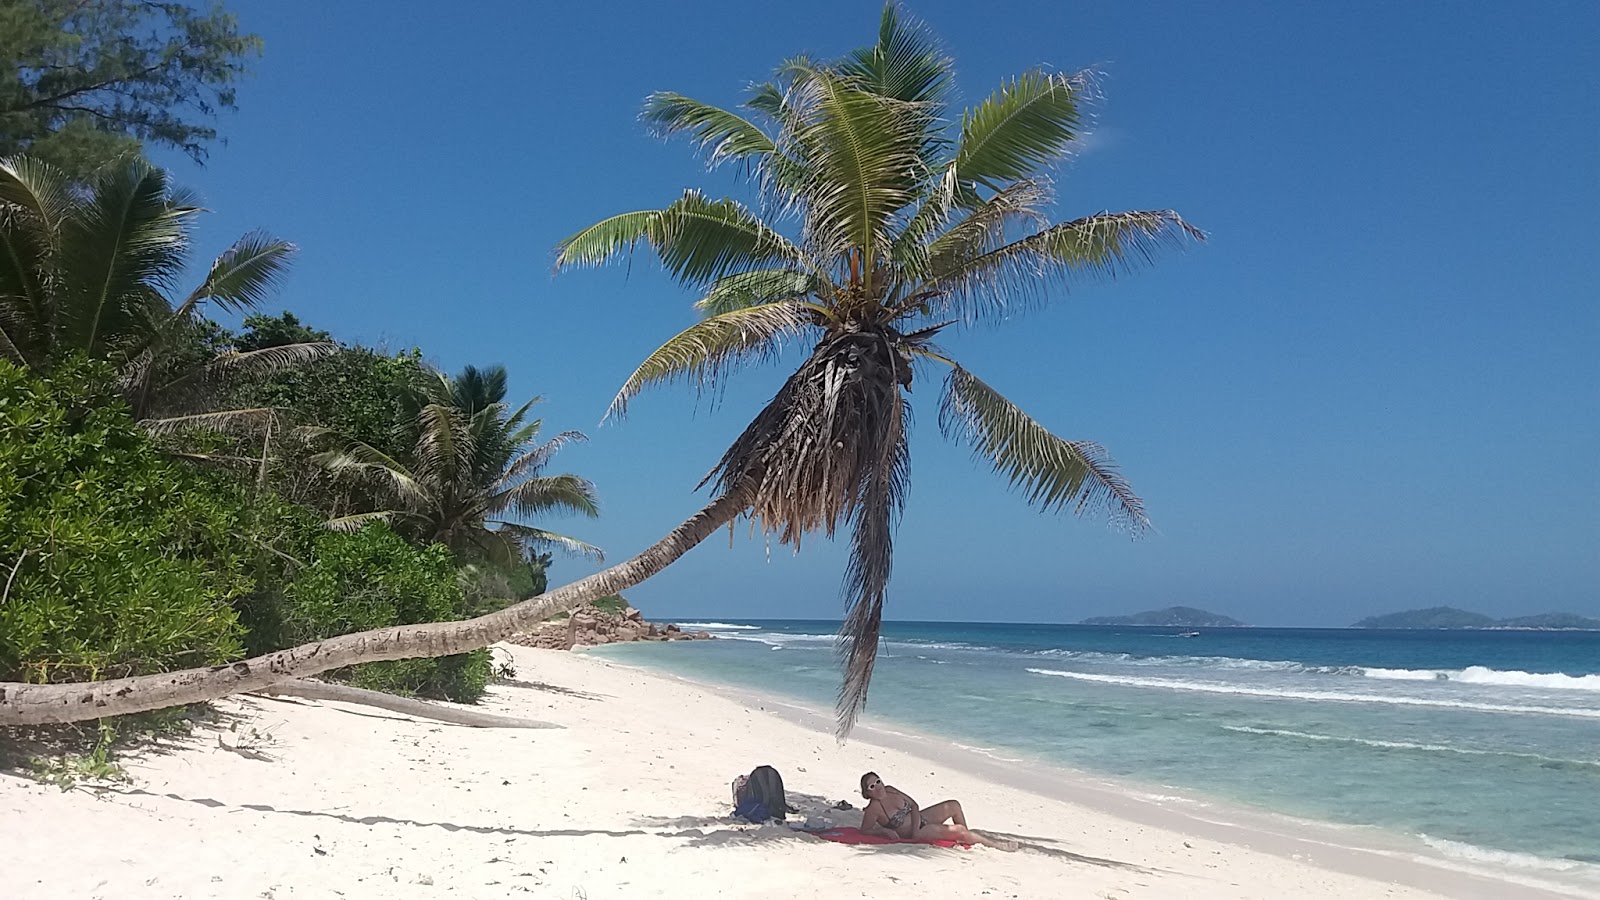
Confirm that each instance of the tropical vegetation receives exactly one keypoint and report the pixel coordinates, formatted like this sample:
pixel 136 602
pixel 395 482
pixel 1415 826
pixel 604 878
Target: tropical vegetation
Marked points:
pixel 84 83
pixel 879 224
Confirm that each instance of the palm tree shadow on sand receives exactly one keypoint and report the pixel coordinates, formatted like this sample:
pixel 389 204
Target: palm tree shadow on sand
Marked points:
pixel 729 831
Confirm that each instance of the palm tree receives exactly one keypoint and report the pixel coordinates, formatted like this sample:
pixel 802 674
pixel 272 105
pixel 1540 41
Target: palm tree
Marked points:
pixel 896 230
pixel 89 270
pixel 900 229
pixel 474 477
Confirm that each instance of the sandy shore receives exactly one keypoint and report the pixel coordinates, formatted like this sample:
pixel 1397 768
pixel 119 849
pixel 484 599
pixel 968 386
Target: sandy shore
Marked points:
pixel 630 799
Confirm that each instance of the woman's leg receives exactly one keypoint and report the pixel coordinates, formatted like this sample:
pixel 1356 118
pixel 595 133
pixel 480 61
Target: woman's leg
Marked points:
pixel 948 811
pixel 934 832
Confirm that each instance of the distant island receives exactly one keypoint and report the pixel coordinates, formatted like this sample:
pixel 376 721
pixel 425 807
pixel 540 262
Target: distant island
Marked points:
pixel 1450 617
pixel 1179 616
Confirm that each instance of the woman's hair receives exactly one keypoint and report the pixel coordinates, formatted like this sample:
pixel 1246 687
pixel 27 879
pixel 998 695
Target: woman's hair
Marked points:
pixel 866 778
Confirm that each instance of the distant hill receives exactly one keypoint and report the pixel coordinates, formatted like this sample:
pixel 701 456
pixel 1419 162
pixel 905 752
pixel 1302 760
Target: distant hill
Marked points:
pixel 1552 620
pixel 1181 616
pixel 1450 617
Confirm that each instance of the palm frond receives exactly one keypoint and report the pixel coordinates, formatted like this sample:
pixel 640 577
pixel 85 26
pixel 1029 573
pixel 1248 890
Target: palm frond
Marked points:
pixel 192 389
pixel 226 420
pixel 531 462
pixel 705 350
pixel 476 389
pixel 700 240
pixel 1051 473
pixel 37 187
pixel 121 249
pixel 697 239
pixel 720 134
pixel 34 200
pixel 606 238
pixel 1025 125
pixel 363 461
pixel 358 521
pixel 885 479
pixel 539 537
pixel 11 322
pixel 444 450
pixel 864 161
pixel 564 493
pixel 986 228
pixel 745 289
pixel 992 283
pixel 906 64
pixel 243 276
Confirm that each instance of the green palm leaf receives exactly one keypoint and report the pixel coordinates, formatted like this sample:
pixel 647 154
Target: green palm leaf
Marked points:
pixel 1101 245
pixel 531 462
pixel 754 288
pixel 906 64
pixel 243 276
pixel 704 350
pixel 1052 474
pixel 864 162
pixel 530 536
pixel 369 464
pixel 123 246
pixel 444 450
pixel 721 135
pixel 697 239
pixel 1025 125
pixel 564 493
pixel 606 238
pixel 34 199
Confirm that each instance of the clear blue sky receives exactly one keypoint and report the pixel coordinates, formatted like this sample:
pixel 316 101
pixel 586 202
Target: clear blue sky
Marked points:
pixel 1376 387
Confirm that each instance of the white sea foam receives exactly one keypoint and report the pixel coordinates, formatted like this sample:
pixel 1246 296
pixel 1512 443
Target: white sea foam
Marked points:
pixel 1479 675
pixel 1324 696
pixel 1407 745
pixel 718 626
pixel 1402 674
pixel 778 638
pixel 1484 675
pixel 1474 853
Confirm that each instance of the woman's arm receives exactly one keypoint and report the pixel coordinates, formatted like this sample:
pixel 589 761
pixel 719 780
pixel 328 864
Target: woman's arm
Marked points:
pixel 872 822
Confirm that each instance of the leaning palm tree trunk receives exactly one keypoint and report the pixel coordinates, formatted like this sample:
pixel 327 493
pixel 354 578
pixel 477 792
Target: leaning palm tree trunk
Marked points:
pixel 39 704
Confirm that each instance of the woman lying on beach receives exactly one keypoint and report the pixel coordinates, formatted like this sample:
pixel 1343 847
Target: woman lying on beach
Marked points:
pixel 891 813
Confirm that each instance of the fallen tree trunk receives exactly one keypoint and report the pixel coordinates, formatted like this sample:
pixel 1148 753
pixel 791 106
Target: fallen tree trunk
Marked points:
pixel 40 704
pixel 408 706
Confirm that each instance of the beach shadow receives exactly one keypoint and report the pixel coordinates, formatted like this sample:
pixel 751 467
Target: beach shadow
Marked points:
pixel 549 688
pixel 690 829
pixel 24 750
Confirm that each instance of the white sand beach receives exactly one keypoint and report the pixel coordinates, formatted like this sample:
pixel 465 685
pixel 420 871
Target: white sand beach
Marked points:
pixel 629 798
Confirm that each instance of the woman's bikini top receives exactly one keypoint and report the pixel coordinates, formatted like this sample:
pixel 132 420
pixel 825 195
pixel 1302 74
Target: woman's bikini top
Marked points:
pixel 906 808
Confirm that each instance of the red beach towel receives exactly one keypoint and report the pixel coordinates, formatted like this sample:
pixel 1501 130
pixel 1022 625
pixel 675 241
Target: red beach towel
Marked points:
pixel 855 836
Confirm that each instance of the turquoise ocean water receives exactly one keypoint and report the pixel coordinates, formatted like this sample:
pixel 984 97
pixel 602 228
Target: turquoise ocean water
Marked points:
pixel 1486 744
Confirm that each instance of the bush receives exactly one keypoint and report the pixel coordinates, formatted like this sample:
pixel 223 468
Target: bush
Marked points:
pixel 115 560
pixel 368 579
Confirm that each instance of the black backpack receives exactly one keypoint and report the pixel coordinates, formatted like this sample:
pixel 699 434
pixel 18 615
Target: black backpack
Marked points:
pixel 762 797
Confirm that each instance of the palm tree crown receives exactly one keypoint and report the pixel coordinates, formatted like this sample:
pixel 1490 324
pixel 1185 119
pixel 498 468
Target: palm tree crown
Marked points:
pixel 90 269
pixel 878 225
pixel 475 475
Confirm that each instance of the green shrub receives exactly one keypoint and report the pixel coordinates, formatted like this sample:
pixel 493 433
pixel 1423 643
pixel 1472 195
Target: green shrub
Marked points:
pixel 368 579
pixel 114 560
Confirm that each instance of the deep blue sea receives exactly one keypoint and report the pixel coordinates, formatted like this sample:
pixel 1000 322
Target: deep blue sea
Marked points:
pixel 1484 743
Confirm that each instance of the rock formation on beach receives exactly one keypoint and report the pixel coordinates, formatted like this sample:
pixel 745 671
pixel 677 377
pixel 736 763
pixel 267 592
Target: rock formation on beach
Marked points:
pixel 609 620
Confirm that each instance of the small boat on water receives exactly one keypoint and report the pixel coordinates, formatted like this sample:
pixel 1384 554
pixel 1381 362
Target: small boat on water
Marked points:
pixel 1189 634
